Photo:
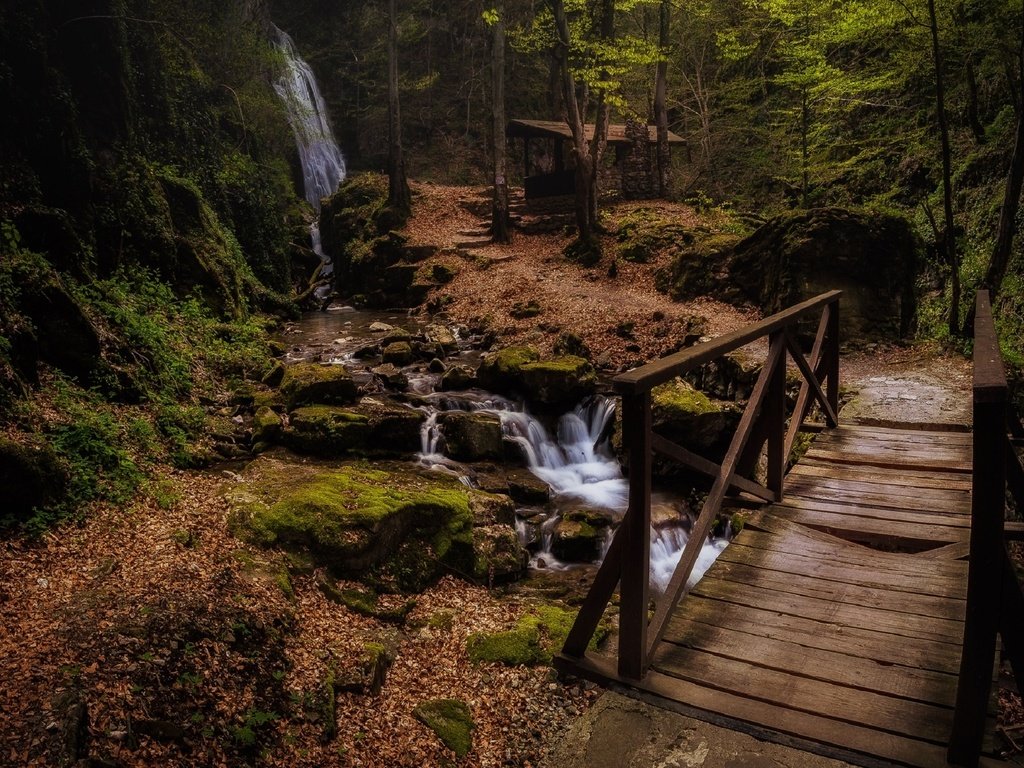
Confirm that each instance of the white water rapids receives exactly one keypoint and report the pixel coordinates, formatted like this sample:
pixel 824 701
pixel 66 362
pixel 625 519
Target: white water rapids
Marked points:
pixel 577 464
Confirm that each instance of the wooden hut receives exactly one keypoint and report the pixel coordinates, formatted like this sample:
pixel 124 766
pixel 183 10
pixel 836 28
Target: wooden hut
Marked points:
pixel 546 172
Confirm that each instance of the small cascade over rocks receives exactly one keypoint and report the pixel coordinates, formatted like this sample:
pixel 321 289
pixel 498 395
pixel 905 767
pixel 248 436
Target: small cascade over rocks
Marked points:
pixel 577 464
pixel 323 165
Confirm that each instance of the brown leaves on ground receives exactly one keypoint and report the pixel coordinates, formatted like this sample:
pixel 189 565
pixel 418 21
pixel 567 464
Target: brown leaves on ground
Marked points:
pixel 185 650
pixel 622 318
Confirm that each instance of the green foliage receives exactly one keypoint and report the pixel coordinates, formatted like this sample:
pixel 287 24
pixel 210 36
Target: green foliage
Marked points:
pixel 174 346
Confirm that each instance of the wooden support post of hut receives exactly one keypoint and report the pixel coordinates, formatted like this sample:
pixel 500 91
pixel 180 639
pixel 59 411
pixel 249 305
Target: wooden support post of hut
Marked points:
pixel 634 172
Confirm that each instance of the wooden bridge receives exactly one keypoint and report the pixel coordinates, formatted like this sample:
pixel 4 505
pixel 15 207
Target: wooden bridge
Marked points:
pixel 857 612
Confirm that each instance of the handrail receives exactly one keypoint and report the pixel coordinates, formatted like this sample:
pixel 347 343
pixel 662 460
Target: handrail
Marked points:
pixel 988 563
pixel 763 423
pixel 656 372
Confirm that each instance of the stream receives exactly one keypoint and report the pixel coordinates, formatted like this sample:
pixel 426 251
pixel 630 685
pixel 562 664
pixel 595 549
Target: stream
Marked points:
pixel 573 456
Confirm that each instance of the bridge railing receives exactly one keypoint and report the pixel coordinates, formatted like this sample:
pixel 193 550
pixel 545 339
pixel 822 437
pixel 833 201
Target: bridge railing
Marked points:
pixel 995 604
pixel 627 562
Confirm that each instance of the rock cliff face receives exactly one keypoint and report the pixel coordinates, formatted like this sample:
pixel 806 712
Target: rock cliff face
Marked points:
pixel 871 257
pixel 118 125
pixel 132 145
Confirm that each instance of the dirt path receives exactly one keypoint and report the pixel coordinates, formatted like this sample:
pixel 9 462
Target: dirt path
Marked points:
pixel 625 321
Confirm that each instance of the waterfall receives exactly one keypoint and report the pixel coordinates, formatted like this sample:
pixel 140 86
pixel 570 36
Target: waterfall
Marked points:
pixel 323 166
pixel 576 463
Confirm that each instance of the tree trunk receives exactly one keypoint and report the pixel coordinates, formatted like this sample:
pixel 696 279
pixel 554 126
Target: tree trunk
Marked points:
pixel 600 140
pixel 949 238
pixel 398 185
pixel 499 205
pixel 581 155
pixel 664 154
pixel 972 105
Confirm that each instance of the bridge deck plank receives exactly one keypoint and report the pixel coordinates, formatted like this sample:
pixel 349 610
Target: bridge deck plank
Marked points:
pixel 801 630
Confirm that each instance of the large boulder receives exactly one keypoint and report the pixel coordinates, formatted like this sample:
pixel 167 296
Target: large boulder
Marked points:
pixel 576 541
pixel 689 418
pixel 471 436
pixel 375 426
pixel 498 555
pixel 405 524
pixel 554 382
pixel 308 383
pixel 871 257
pixel 326 430
pixel 400 526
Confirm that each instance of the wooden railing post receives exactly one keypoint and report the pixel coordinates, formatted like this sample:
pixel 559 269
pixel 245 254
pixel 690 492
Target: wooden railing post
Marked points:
pixel 984 575
pixel 636 433
pixel 775 417
pixel 832 356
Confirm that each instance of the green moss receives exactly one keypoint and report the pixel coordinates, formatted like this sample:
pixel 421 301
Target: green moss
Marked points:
pixel 284 583
pixel 678 399
pixel 800 446
pixel 405 524
pixel 509 361
pixel 307 383
pixel 451 720
pixel 643 234
pixel 327 430
pixel 537 636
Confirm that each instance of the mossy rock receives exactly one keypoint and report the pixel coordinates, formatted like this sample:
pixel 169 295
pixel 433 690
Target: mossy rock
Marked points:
pixel 470 436
pixel 31 477
pixel 391 376
pixel 526 488
pixel 266 425
pixel 408 524
pixel 397 353
pixel 537 636
pixel 501 370
pixel 553 382
pixel 326 430
pixel 458 377
pixel 275 376
pixel 560 381
pixel 688 417
pixel 394 428
pixel 576 541
pixel 395 333
pixel 678 400
pixel 498 555
pixel 451 720
pixel 436 333
pixel 308 383
pixel 491 508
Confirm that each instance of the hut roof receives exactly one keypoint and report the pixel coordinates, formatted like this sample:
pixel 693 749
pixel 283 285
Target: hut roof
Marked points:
pixel 548 129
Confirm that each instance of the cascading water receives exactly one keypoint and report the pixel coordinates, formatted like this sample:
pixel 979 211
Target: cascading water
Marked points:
pixel 323 165
pixel 576 464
